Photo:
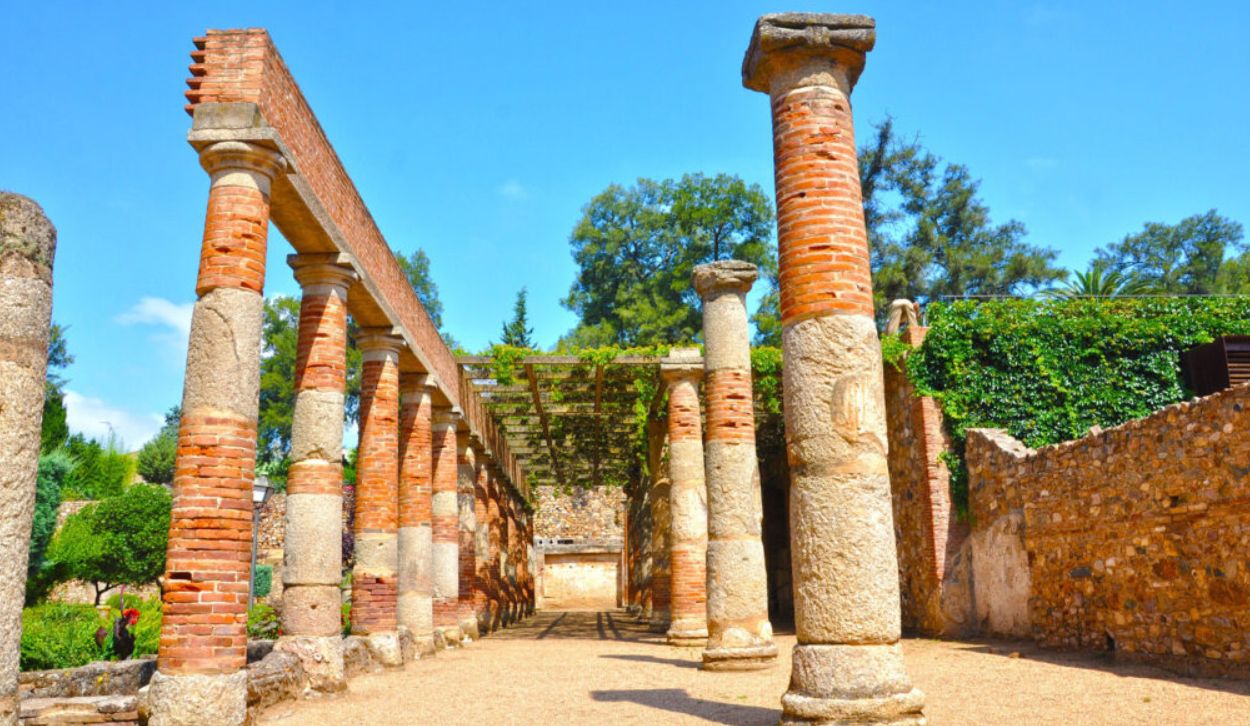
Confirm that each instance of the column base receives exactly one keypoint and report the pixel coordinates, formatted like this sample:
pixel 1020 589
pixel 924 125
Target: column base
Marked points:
pixel 427 645
pixel 687 635
pixel 452 637
pixel 321 658
pixel 752 658
pixel 468 628
pixel 198 699
pixel 385 648
pixel 851 684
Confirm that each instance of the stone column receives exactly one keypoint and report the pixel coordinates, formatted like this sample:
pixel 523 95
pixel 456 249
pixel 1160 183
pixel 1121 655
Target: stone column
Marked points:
pixel 494 594
pixel 203 648
pixel 312 556
pixel 27 246
pixel 661 524
pixel 466 481
pixel 481 542
pixel 415 601
pixel 374 579
pixel 688 499
pixel 445 527
pixel 739 634
pixel 848 665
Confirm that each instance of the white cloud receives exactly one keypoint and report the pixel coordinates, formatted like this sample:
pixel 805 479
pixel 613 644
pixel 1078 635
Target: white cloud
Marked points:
pixel 95 418
pixel 512 189
pixel 172 319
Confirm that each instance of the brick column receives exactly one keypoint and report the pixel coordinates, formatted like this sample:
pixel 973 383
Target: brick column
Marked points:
pixel 415 601
pixel 374 581
pixel 512 561
pixel 466 481
pixel 493 557
pixel 481 542
pixel 682 371
pixel 203 647
pixel 530 561
pixel 740 636
pixel 848 665
pixel 312 555
pixel 661 524
pixel 27 246
pixel 445 523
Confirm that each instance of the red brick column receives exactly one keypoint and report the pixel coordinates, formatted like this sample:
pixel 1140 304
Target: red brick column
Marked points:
pixel 493 558
pixel 203 645
pixel 415 603
pixel 682 371
pixel 848 665
pixel 510 560
pixel 659 615
pixel 445 523
pixel 374 581
pixel 481 542
pixel 466 481
pixel 312 555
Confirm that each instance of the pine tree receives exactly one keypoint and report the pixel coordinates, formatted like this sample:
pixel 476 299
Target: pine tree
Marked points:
pixel 517 332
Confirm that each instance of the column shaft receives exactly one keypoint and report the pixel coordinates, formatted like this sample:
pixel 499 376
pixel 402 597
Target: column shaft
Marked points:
pixel 27 247
pixel 661 524
pixel 312 552
pixel 466 482
pixel 493 558
pixel 688 499
pixel 481 544
pixel 739 633
pixel 848 664
pixel 203 646
pixel 445 527
pixel 374 578
pixel 415 601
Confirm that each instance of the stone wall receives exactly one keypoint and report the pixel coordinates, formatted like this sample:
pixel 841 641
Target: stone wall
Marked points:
pixel 584 514
pixel 1134 539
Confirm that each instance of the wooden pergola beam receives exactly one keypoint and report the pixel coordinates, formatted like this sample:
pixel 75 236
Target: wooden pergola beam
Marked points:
pixel 542 417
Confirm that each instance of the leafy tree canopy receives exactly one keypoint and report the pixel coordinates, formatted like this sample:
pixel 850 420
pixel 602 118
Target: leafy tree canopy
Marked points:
pixel 636 248
pixel 1097 281
pixel 156 458
pixel 1196 256
pixel 55 428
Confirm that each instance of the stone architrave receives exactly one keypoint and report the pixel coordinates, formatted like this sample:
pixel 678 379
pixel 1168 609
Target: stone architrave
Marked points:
pixel 27 248
pixel 740 636
pixel 848 665
pixel 445 526
pixel 374 578
pixel 682 371
pixel 466 518
pixel 312 565
pixel 661 530
pixel 415 601
pixel 200 676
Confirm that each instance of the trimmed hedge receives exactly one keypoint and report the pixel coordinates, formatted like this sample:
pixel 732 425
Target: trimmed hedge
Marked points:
pixel 1048 370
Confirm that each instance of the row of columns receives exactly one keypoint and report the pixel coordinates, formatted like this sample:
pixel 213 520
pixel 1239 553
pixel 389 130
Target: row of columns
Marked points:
pixel 440 540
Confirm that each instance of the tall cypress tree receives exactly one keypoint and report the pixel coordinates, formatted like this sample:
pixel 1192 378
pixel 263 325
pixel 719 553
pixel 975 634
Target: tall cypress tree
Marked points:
pixel 517 332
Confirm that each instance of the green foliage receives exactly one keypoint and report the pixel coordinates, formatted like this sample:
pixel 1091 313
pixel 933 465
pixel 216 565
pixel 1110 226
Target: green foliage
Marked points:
pixel 53 470
pixel 60 635
pixel 55 429
pixel 1098 281
pixel 148 630
pixel 1190 257
pixel 99 470
pixel 894 349
pixel 516 332
pixel 156 458
pixel 119 540
pixel 637 247
pixel 262 622
pixel 931 235
pixel 504 362
pixel 1046 371
pixel 416 267
pixel 262 580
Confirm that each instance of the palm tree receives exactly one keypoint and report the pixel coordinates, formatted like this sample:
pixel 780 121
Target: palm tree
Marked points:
pixel 1098 282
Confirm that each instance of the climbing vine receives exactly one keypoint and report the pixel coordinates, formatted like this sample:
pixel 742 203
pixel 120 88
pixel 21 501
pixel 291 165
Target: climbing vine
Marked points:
pixel 1048 370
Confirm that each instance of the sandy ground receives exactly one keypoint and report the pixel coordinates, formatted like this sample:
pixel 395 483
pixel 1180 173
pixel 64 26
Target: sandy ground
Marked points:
pixel 602 668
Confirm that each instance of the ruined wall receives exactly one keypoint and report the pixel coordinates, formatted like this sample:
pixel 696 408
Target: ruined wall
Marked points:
pixel 1133 539
pixel 582 514
pixel 926 531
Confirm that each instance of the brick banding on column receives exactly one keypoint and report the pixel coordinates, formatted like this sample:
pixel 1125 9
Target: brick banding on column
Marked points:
pixel 466 482
pixel 415 584
pixel 846 587
pixel 445 526
pixel 730 407
pixel 681 371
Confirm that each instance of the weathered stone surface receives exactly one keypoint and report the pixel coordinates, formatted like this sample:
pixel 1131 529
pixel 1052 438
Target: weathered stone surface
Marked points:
pixel 104 710
pixel 223 352
pixel 198 700
pixel 1000 577
pixel 782 40
pixel 385 648
pixel 320 658
pixel 312 610
pixel 312 554
pixel 357 658
pixel 105 678
pixel 277 677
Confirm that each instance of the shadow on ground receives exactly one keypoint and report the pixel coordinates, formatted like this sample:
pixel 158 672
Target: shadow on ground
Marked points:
pixel 676 700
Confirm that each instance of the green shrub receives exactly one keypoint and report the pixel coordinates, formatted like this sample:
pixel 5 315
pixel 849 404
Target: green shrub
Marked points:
pixel 262 622
pixel 1047 371
pixel 60 635
pixel 99 471
pixel 148 630
pixel 262 580
pixel 53 469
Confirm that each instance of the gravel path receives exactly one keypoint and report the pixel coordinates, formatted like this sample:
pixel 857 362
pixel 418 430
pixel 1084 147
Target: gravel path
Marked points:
pixel 602 668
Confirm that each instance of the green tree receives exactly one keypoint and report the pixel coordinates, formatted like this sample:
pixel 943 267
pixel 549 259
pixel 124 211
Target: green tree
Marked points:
pixel 55 430
pixel 120 540
pixel 416 267
pixel 517 332
pixel 1184 258
pixel 53 469
pixel 100 470
pixel 156 458
pixel 1099 282
pixel 930 233
pixel 636 248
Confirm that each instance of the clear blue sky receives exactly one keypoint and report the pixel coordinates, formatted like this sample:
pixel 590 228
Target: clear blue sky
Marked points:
pixel 479 133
